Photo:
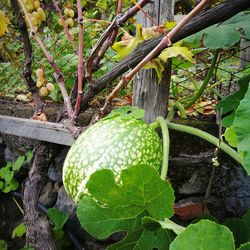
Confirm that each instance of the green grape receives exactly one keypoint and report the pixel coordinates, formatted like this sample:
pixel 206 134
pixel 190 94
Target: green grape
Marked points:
pixel 71 13
pixel 41 14
pixel 34 21
pixel 39 84
pixel 37 4
pixel 39 73
pixel 43 91
pixel 70 22
pixel 60 22
pixel 66 11
pixel 50 86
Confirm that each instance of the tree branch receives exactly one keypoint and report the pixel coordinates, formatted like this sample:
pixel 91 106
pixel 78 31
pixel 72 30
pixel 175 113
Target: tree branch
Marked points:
pixel 58 75
pixel 210 17
pixel 38 228
pixel 27 71
pixel 80 58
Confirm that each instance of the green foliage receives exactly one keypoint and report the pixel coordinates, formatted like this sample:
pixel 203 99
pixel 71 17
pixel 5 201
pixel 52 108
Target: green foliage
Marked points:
pixel 242 129
pixel 149 223
pixel 231 102
pixel 7 180
pixel 3 245
pixel 19 231
pixel 59 218
pixel 204 235
pixel 122 205
pixel 238 132
pixel 245 246
pixel 224 35
pixel 240 229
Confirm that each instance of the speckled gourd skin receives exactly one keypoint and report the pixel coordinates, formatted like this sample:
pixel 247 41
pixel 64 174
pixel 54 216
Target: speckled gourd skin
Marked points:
pixel 111 144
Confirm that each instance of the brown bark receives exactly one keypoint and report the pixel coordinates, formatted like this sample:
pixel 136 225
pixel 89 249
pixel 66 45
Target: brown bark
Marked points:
pixel 38 228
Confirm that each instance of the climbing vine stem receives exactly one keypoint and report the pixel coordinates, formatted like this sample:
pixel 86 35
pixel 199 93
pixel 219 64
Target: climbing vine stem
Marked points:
pixel 165 137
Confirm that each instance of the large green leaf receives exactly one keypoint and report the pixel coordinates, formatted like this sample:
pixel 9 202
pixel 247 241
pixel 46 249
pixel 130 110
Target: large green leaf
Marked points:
pixel 204 235
pixel 150 223
pixel 242 129
pixel 231 102
pixel 240 230
pixel 246 218
pixel 224 34
pixel 145 239
pixel 58 217
pixel 245 246
pixel 231 136
pixel 122 205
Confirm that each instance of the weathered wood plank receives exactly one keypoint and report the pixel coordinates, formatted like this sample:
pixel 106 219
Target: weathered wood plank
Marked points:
pixel 38 130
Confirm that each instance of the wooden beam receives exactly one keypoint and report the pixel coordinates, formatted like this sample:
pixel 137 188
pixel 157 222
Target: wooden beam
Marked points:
pixel 38 130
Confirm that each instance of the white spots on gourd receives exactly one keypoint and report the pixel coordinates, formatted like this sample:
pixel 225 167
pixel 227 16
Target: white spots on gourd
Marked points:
pixel 114 144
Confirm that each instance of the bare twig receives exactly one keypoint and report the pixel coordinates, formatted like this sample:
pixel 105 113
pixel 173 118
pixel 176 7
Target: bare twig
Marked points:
pixel 108 37
pixel 70 38
pixel 97 47
pixel 80 58
pixel 58 75
pixel 165 42
pixel 109 42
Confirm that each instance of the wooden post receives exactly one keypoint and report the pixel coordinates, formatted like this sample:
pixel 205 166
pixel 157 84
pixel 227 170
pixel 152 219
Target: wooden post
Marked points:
pixel 244 52
pixel 148 93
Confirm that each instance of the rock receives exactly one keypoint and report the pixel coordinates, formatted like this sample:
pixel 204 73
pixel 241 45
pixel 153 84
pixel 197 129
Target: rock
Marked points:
pixel 55 174
pixel 55 170
pixel 65 203
pixel 49 195
pixel 18 145
pixel 8 155
pixel 2 157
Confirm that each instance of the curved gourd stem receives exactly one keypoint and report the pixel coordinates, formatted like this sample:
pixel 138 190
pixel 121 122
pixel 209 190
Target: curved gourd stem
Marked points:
pixel 208 137
pixel 204 135
pixel 166 143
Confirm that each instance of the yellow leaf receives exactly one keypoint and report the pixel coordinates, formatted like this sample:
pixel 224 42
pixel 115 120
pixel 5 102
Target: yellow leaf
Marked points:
pixel 176 51
pixel 125 46
pixel 169 25
pixel 157 65
pixel 4 21
pixel 139 33
pixel 152 32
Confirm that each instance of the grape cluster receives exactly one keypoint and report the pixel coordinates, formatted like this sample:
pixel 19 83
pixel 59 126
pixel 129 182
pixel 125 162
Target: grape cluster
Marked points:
pixel 68 16
pixel 45 87
pixel 36 13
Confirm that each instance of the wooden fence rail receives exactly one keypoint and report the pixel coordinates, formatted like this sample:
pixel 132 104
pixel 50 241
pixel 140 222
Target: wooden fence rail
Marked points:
pixel 38 130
